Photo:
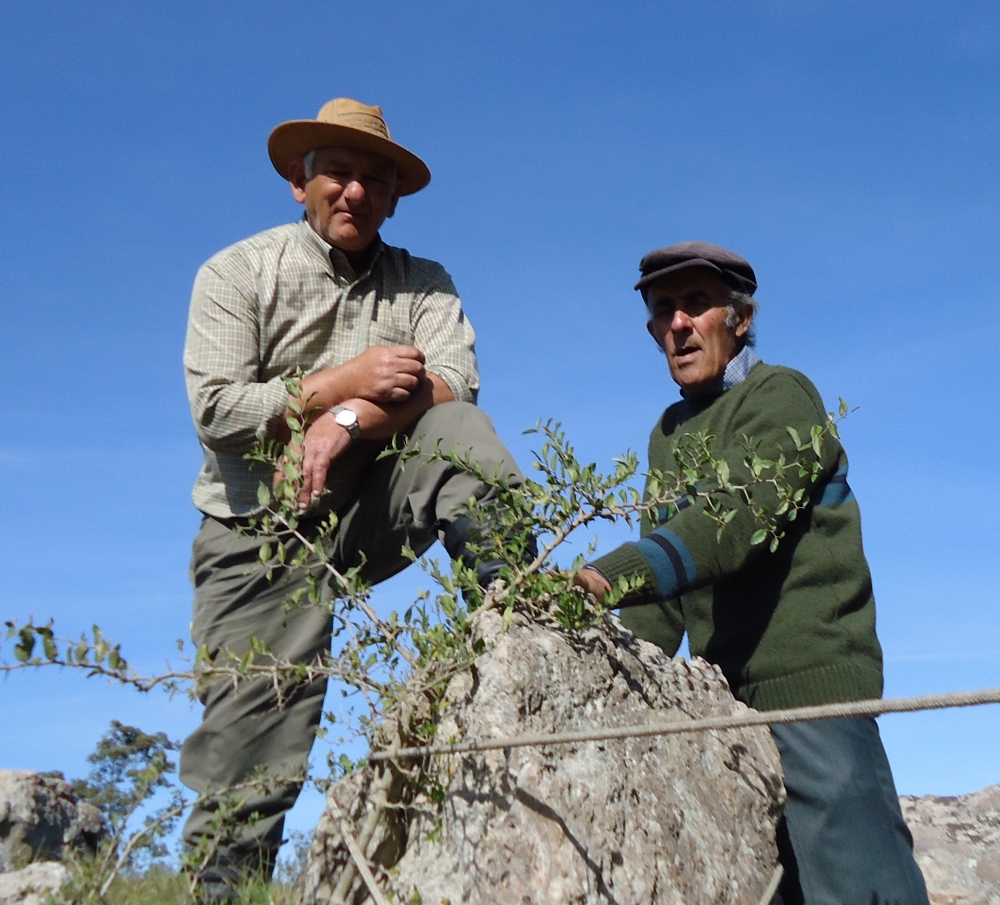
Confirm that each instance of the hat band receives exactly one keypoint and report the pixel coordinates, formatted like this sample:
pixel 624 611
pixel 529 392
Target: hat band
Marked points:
pixel 363 122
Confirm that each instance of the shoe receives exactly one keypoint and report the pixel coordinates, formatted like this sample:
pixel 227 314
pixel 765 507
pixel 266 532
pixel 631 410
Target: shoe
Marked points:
pixel 464 531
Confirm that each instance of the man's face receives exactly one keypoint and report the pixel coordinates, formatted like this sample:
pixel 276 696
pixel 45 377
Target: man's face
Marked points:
pixel 688 321
pixel 349 196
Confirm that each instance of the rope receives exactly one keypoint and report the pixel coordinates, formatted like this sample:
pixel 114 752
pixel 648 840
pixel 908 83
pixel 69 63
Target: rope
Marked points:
pixel 735 721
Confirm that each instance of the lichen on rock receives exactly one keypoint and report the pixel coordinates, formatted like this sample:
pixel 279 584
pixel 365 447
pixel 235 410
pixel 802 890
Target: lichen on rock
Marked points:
pixel 683 818
pixel 956 841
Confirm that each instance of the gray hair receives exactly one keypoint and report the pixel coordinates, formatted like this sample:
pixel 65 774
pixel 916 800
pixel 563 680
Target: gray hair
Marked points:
pixel 739 304
pixel 307 162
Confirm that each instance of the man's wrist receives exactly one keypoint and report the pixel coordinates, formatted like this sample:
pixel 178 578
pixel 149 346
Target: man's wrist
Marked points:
pixel 348 419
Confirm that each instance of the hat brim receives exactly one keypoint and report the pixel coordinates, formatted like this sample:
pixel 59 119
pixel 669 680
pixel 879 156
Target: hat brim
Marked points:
pixel 293 140
pixel 731 279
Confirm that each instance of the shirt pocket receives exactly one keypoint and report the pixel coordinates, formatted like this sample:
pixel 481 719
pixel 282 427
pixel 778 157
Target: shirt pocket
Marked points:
pixel 389 331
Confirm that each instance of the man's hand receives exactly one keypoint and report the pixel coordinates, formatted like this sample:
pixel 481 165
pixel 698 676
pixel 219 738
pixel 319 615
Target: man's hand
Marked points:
pixel 387 373
pixel 325 439
pixel 593 582
pixel 381 375
pixel 323 442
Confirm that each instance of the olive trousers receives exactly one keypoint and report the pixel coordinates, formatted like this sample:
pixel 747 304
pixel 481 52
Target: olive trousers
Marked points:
pixel 243 730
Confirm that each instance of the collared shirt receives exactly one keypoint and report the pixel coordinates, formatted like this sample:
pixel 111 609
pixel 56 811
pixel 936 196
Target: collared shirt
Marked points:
pixel 739 368
pixel 283 300
pixel 736 372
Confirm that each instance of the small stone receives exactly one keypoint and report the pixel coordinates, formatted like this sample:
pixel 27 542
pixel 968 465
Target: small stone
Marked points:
pixel 31 884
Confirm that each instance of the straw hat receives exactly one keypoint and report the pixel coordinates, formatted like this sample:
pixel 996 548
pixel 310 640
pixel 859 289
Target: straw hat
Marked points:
pixel 346 123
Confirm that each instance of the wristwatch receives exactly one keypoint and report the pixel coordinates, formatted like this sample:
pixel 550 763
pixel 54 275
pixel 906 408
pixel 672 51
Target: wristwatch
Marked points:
pixel 347 418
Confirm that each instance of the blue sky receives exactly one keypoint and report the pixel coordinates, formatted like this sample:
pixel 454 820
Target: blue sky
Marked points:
pixel 847 149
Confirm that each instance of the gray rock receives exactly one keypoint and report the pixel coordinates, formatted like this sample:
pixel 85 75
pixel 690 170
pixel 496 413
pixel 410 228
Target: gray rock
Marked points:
pixel 684 818
pixel 957 845
pixel 40 817
pixel 31 884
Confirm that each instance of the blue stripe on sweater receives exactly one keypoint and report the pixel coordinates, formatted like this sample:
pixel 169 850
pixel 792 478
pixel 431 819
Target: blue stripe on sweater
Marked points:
pixel 670 560
pixel 834 491
pixel 663 513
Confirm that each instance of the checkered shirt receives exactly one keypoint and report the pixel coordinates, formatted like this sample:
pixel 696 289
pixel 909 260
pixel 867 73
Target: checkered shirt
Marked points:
pixel 283 300
pixel 736 372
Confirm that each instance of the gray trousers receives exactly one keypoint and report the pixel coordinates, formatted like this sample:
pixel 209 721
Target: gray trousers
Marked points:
pixel 842 839
pixel 243 730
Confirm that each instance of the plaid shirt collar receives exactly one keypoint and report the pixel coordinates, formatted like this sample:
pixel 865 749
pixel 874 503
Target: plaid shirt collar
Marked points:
pixel 736 372
pixel 334 260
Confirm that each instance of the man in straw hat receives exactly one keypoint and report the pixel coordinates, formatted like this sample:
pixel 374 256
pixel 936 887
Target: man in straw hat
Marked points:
pixel 789 627
pixel 385 349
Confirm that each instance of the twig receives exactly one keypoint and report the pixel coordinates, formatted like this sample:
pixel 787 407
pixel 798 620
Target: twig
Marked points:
pixel 358 859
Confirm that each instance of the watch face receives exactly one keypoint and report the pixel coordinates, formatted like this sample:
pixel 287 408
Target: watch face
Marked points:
pixel 346 418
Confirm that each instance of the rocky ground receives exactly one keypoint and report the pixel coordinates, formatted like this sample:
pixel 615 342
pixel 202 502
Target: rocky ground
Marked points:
pixel 686 818
pixel 680 819
pixel 957 843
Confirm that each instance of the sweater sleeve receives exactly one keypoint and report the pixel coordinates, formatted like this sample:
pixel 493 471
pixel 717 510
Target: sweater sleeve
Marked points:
pixel 683 554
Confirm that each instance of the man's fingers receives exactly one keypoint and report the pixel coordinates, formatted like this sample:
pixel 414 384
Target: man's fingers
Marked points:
pixel 306 490
pixel 406 367
pixel 409 352
pixel 320 465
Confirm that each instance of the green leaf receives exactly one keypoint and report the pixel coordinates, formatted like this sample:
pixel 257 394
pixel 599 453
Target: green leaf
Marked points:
pixel 759 537
pixel 263 494
pixel 794 434
pixel 817 439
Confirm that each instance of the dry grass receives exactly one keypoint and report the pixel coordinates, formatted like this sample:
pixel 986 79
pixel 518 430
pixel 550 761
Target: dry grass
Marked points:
pixel 159 886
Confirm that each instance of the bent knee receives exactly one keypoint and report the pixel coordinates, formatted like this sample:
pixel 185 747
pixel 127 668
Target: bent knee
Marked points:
pixel 466 429
pixel 453 421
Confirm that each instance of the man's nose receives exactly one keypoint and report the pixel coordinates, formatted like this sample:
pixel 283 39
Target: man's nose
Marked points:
pixel 680 321
pixel 354 191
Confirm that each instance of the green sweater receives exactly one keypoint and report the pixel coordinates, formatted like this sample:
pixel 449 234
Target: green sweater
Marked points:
pixel 790 628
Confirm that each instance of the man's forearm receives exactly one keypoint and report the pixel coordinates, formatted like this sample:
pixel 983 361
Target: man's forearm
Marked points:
pixel 380 421
pixel 329 387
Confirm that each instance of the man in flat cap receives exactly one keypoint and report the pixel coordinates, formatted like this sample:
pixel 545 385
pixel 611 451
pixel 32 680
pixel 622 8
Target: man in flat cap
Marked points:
pixel 385 349
pixel 788 628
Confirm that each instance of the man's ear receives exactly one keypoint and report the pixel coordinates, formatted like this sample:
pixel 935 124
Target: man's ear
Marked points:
pixel 743 324
pixel 297 180
pixel 393 203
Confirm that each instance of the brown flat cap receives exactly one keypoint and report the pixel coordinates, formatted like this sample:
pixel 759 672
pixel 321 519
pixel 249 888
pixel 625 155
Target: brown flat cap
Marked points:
pixel 731 268
pixel 350 124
